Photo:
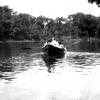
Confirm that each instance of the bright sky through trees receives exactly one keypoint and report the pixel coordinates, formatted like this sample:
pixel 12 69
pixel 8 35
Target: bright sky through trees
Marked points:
pixel 52 8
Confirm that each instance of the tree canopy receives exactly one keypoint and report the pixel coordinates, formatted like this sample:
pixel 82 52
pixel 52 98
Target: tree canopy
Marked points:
pixel 95 1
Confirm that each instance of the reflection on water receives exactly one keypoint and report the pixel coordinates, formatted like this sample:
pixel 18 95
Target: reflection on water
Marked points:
pixel 85 46
pixel 50 61
pixel 28 74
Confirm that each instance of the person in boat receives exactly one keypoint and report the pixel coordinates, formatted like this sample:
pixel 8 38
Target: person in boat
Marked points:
pixel 54 43
pixel 61 44
pixel 51 41
pixel 48 42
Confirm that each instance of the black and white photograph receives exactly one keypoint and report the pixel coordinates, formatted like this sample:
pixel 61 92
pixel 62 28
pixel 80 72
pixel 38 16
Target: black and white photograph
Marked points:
pixel 49 49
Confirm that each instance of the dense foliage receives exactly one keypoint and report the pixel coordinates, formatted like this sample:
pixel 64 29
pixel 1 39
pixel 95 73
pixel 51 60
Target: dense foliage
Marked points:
pixel 95 1
pixel 22 26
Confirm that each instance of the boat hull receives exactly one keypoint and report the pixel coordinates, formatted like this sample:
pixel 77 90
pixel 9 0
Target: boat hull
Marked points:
pixel 53 51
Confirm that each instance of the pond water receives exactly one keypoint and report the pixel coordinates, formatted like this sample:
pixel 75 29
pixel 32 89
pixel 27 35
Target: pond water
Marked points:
pixel 26 74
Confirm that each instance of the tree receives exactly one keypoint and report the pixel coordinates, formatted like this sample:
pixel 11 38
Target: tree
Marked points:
pixel 5 22
pixel 83 25
pixel 22 26
pixel 76 23
pixel 95 1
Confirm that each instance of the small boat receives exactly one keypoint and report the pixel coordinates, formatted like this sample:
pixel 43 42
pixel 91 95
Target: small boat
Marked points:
pixel 54 48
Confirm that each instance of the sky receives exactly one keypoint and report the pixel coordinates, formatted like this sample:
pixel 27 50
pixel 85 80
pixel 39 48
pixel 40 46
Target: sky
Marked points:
pixel 52 8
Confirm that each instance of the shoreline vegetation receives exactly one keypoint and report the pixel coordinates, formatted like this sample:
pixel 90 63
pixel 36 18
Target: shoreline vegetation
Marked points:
pixel 27 28
pixel 66 41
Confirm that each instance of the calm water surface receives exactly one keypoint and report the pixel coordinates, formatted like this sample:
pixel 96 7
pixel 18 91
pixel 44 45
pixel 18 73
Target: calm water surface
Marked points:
pixel 26 74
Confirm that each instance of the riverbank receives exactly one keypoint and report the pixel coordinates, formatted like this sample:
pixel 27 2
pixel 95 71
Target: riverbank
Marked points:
pixel 19 41
pixel 65 40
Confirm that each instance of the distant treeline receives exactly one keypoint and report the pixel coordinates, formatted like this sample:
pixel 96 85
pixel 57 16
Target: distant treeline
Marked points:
pixel 14 26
